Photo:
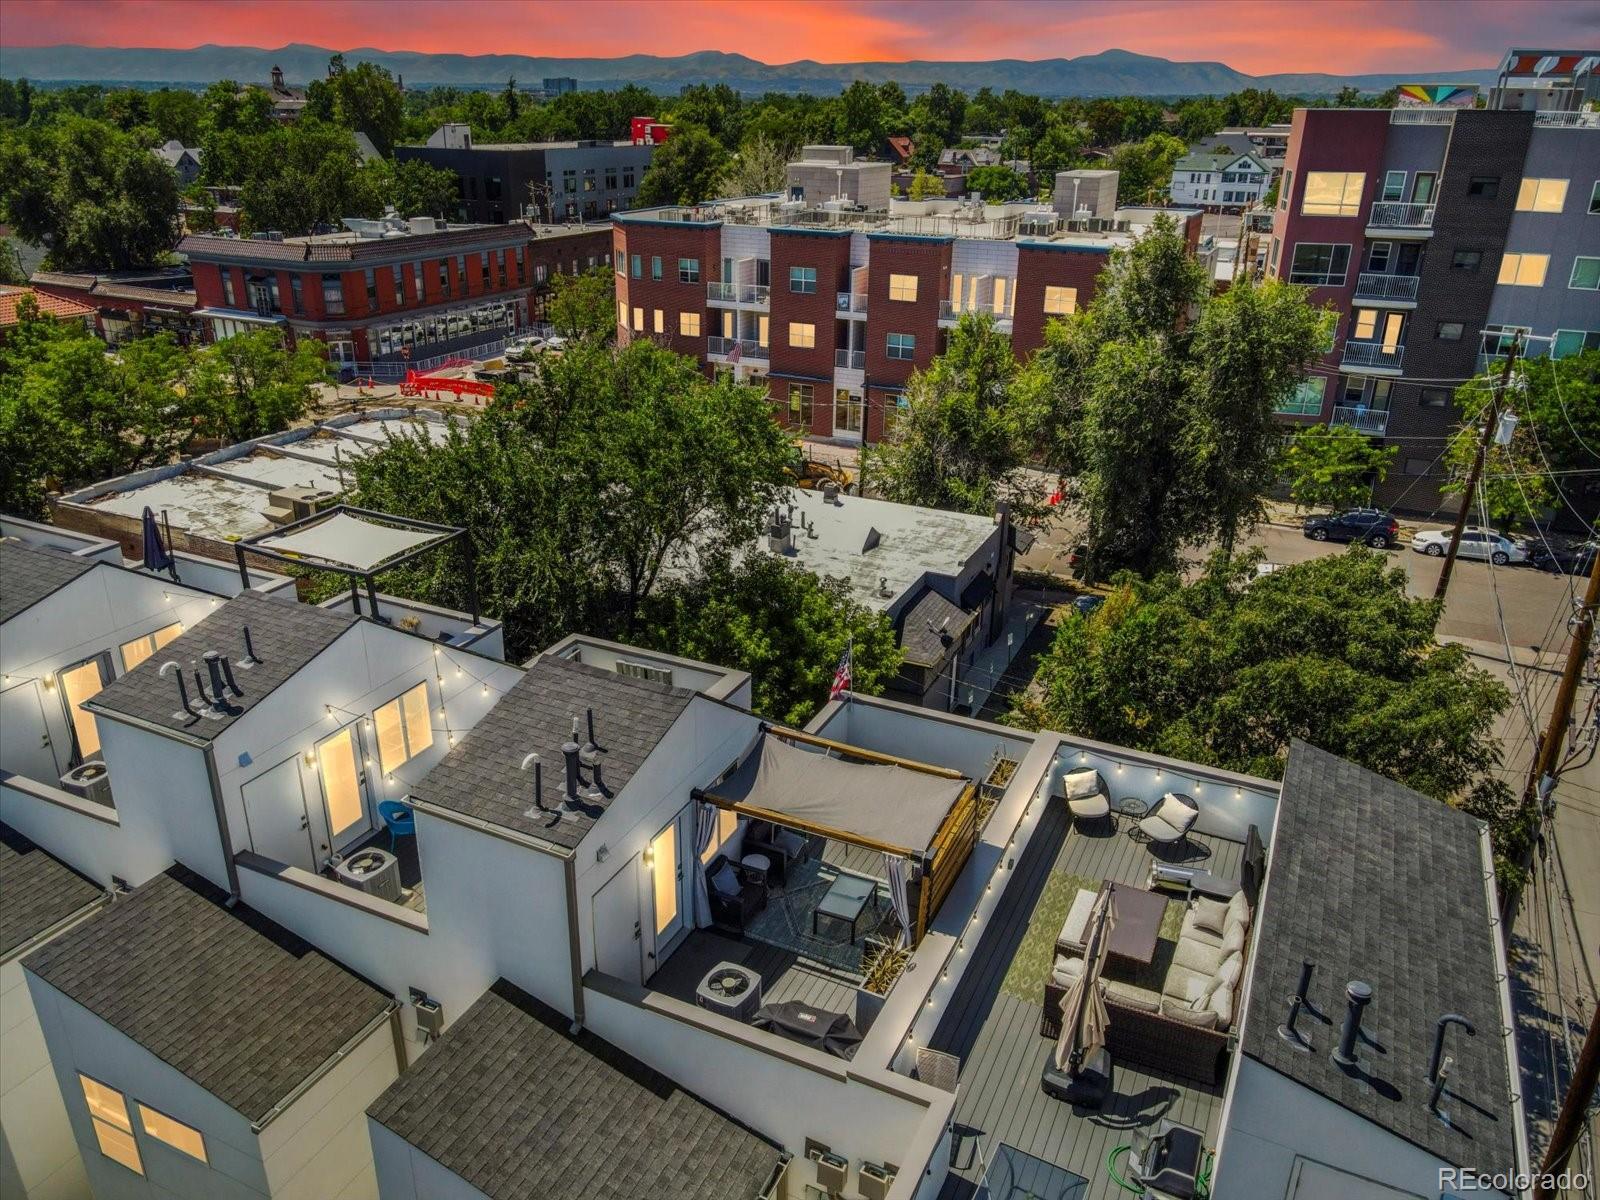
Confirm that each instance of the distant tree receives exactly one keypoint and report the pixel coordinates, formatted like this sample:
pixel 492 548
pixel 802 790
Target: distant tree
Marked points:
pixel 250 384
pixel 1145 167
pixel 926 186
pixel 997 184
pixel 363 98
pixel 11 263
pixel 512 100
pixel 861 118
pixel 176 113
pixel 1348 97
pixel 684 171
pixel 420 189
pixel 584 305
pixel 296 177
pixel 1059 149
pixel 1334 467
pixel 937 118
pixel 760 166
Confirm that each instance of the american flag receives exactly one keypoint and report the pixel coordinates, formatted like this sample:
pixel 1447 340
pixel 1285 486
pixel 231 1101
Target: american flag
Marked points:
pixel 735 354
pixel 841 677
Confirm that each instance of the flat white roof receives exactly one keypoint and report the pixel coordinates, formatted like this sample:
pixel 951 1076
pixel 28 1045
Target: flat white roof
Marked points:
pixel 197 502
pixel 278 471
pixel 327 447
pixel 381 428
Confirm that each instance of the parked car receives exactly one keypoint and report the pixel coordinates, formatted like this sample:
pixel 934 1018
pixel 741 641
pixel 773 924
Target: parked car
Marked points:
pixel 1481 544
pixel 1574 558
pixel 1088 603
pixel 523 346
pixel 1370 525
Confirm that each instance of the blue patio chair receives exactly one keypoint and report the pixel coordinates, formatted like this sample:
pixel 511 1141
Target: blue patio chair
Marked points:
pixel 402 822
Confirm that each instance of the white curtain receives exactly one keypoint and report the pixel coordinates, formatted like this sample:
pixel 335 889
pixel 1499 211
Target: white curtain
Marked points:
pixel 895 869
pixel 705 825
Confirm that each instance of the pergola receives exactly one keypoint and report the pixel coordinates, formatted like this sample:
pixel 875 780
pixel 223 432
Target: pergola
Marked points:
pixel 356 543
pixel 895 806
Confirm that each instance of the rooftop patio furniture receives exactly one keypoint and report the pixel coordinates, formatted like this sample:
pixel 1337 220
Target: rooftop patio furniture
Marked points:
pixel 1138 922
pixel 1171 819
pixel 399 818
pixel 1070 939
pixel 1189 881
pixel 780 846
pixel 735 897
pixel 846 900
pixel 1085 793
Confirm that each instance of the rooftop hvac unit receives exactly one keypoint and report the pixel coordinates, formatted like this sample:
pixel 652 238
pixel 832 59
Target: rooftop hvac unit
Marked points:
pixel 295 504
pixel 875 1181
pixel 832 1171
pixel 90 780
pixel 373 871
pixel 637 670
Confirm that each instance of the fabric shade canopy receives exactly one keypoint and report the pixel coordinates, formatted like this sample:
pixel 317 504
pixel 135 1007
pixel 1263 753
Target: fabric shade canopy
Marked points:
pixel 894 808
pixel 349 541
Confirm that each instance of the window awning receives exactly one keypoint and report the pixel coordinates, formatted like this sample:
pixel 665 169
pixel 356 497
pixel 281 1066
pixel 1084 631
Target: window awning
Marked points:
pixel 347 541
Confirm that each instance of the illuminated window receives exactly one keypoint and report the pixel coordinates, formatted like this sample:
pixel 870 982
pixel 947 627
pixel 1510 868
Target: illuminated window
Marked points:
pixel 902 287
pixel 689 324
pixel 727 822
pixel 1000 308
pixel 1059 301
pixel 108 1113
pixel 763 328
pixel 1332 193
pixel 638 320
pixel 955 292
pixel 341 782
pixel 1366 324
pixel 141 648
pixel 800 398
pixel 80 683
pixel 1542 195
pixel 622 313
pixel 658 321
pixel 1524 270
pixel 403 728
pixel 174 1133
pixel 802 336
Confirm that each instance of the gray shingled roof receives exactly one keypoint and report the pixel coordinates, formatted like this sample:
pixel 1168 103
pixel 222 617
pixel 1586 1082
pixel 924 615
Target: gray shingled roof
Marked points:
pixel 482 776
pixel 515 1105
pixel 28 574
pixel 234 1001
pixel 919 628
pixel 1370 880
pixel 286 637
pixel 39 891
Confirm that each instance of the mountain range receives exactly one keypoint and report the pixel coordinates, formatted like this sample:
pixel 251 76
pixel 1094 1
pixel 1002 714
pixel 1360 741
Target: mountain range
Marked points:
pixel 1109 73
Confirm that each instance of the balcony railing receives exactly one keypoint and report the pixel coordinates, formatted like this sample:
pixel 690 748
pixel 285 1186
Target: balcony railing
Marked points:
pixel 851 302
pixel 854 360
pixel 1401 216
pixel 1568 120
pixel 1373 286
pixel 722 347
pixel 739 293
pixel 1370 421
pixel 1372 354
pixel 949 310
pixel 1421 116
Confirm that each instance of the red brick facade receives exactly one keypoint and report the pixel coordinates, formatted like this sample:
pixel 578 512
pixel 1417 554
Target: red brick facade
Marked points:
pixel 1049 264
pixel 670 296
pixel 928 259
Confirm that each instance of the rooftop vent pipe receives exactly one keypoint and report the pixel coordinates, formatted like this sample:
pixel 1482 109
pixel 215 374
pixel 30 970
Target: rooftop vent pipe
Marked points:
pixel 1439 1064
pixel 183 691
pixel 249 659
pixel 227 673
pixel 538 779
pixel 213 662
pixel 569 751
pixel 1298 1003
pixel 1359 995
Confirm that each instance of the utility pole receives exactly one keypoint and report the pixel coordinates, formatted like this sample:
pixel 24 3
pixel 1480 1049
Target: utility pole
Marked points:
pixel 1550 746
pixel 1490 421
pixel 1570 1122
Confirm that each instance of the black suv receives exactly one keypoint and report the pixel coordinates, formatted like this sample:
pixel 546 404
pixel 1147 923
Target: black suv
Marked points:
pixel 1577 558
pixel 1370 525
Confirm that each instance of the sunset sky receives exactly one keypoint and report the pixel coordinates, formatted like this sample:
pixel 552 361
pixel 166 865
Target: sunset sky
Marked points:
pixel 1343 36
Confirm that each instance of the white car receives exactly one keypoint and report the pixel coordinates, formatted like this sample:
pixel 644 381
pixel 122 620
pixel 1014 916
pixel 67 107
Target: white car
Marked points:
pixel 524 345
pixel 1481 544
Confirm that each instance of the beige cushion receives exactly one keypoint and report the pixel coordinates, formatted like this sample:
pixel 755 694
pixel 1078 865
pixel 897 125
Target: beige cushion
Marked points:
pixel 1065 970
pixel 1185 986
pixel 1195 955
pixel 1209 915
pixel 1077 919
pixel 1192 931
pixel 1239 910
pixel 1132 997
pixel 1233 941
pixel 1221 1003
pixel 1200 1018
pixel 1228 973
pixel 1077 785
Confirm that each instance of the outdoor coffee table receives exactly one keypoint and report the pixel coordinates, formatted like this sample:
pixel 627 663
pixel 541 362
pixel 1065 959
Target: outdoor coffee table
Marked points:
pixel 1138 922
pixel 845 901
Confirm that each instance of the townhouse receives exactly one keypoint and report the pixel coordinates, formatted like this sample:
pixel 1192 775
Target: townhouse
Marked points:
pixel 1436 233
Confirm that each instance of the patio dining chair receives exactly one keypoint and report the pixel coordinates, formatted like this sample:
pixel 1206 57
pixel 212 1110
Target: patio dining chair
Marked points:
pixel 1171 819
pixel 399 818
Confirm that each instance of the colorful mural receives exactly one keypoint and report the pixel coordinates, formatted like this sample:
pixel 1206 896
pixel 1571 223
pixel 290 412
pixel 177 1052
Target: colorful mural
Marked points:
pixel 1437 95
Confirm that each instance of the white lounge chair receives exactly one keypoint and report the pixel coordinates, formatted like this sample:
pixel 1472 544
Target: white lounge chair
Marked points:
pixel 1086 796
pixel 1171 819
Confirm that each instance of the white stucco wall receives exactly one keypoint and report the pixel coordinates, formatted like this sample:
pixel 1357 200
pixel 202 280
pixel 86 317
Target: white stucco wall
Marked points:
pixel 85 836
pixel 39 1159
pixel 163 795
pixel 405 1173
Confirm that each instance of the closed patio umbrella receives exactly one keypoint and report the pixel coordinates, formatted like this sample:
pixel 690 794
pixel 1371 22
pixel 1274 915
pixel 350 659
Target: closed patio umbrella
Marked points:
pixel 1083 1008
pixel 156 555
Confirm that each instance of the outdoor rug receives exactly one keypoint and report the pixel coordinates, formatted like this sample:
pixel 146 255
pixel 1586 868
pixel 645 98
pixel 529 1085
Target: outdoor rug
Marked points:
pixel 786 921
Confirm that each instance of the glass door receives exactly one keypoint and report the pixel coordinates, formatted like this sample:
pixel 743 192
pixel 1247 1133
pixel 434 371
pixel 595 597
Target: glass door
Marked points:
pixel 1422 187
pixel 669 850
pixel 343 782
pixel 1393 324
pixel 846 414
pixel 80 683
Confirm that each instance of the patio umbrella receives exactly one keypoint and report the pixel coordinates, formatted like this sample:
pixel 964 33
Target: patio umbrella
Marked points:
pixel 1083 1008
pixel 156 557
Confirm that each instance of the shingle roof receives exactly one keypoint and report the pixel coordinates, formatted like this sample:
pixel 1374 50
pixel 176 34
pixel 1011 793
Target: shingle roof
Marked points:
pixel 40 891
pixel 920 628
pixel 515 1105
pixel 1372 881
pixel 286 637
pixel 234 1001
pixel 28 574
pixel 49 306
pixel 482 776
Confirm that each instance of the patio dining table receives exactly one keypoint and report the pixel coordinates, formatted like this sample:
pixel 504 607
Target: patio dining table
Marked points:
pixel 845 901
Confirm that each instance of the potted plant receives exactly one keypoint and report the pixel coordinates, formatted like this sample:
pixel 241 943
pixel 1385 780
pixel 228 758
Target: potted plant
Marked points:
pixel 882 964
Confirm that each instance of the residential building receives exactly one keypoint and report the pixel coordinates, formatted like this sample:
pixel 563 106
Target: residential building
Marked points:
pixel 389 291
pixel 559 85
pixel 287 101
pixel 131 304
pixel 832 174
pixel 1437 233
pixel 57 308
pixel 1269 143
pixel 548 181
pixel 184 160
pixel 1219 181
pixel 836 305
pixel 572 989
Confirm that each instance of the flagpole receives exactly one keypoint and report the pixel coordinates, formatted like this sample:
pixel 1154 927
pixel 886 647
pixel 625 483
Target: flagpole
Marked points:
pixel 850 653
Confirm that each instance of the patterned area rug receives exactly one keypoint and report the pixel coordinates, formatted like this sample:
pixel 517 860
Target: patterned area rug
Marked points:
pixel 786 921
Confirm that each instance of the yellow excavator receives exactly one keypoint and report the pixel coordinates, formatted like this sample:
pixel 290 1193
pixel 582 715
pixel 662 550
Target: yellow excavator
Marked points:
pixel 808 472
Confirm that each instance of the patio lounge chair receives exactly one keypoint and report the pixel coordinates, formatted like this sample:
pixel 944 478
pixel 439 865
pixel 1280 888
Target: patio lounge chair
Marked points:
pixel 781 846
pixel 735 897
pixel 1171 819
pixel 1085 793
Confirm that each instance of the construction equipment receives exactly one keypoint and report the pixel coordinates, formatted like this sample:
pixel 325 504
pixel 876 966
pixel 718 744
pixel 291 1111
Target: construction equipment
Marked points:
pixel 809 472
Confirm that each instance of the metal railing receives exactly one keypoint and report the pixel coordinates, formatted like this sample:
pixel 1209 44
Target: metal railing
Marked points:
pixel 1375 286
pixel 1370 421
pixel 1421 116
pixel 1386 215
pixel 1372 354
pixel 854 360
pixel 721 347
pixel 739 293
pixel 395 369
pixel 950 310
pixel 1568 120
pixel 851 302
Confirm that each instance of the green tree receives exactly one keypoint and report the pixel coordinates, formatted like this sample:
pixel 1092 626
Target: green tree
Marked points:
pixel 419 189
pixel 295 177
pixel 937 118
pixel 366 98
pixel 11 263
pixel 926 186
pixel 861 118
pixel 684 171
pixel 96 197
pixel 584 305
pixel 1226 670
pixel 997 184
pixel 250 384
pixel 1146 167
pixel 781 623
pixel 1334 467
pixel 760 166
pixel 1060 149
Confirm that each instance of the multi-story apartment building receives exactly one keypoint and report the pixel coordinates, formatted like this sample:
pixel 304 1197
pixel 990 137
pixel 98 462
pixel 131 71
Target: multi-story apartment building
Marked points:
pixel 837 305
pixel 1435 233
pixel 389 290
pixel 547 181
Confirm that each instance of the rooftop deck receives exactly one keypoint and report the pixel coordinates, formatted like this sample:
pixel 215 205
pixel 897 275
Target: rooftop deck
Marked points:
pixel 1036 1145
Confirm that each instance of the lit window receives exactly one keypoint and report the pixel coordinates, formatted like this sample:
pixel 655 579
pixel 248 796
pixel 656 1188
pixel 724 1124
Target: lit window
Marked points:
pixel 1585 274
pixel 763 327
pixel 622 313
pixel 141 648
pixel 403 728
pixel 902 287
pixel 902 346
pixel 1366 324
pixel 727 823
pixel 1000 297
pixel 1542 195
pixel 638 320
pixel 802 336
pixel 658 321
pixel 689 324
pixel 108 1113
pixel 1059 301
pixel 800 399
pixel 1524 270
pixel 80 683
pixel 174 1133
pixel 1332 193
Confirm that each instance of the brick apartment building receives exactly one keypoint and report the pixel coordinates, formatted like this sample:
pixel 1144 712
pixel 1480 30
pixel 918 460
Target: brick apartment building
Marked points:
pixel 1436 232
pixel 390 290
pixel 836 304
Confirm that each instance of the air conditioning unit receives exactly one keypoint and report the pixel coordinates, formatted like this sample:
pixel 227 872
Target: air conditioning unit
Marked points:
pixel 636 670
pixel 90 780
pixel 295 504
pixel 832 1171
pixel 875 1181
pixel 373 871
